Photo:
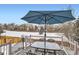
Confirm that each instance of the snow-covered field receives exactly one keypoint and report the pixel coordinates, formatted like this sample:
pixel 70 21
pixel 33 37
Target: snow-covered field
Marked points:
pixel 35 35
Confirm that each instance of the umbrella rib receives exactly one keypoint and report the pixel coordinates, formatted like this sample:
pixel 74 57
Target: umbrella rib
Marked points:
pixel 35 19
pixel 30 16
pixel 54 18
pixel 62 16
pixel 57 12
pixel 38 12
pixel 50 12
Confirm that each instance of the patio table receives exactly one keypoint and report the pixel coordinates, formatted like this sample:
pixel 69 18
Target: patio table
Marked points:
pixel 49 46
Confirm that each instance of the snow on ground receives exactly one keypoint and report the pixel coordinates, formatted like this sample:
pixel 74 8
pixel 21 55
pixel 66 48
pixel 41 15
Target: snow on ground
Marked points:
pixel 35 35
pixel 19 45
pixel 15 47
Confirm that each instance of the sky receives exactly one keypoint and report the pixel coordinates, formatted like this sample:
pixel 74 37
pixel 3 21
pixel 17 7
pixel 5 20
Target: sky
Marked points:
pixel 12 13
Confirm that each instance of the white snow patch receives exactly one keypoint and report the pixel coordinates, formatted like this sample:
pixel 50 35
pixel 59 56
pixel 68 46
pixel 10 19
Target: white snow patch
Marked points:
pixel 35 35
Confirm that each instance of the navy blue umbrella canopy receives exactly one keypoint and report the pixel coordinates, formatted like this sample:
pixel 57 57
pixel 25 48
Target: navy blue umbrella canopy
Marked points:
pixel 51 17
pixel 48 17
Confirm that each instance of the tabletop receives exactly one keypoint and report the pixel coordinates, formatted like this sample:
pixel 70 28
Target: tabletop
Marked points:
pixel 50 46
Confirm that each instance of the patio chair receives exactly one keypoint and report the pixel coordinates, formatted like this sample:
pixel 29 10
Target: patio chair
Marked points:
pixel 39 50
pixel 49 52
pixel 30 53
pixel 61 52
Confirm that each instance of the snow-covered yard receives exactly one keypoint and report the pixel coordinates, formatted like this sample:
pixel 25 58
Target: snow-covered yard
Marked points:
pixel 35 35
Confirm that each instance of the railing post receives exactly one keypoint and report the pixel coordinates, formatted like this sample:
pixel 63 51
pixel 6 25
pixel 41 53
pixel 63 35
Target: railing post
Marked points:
pixel 9 49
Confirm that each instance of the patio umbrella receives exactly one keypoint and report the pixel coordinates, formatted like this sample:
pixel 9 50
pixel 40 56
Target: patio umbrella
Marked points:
pixel 48 17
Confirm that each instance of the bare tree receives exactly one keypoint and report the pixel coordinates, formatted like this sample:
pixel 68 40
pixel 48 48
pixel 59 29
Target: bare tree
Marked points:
pixel 77 31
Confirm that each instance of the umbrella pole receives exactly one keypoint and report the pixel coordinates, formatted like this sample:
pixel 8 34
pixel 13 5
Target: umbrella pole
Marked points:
pixel 45 38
